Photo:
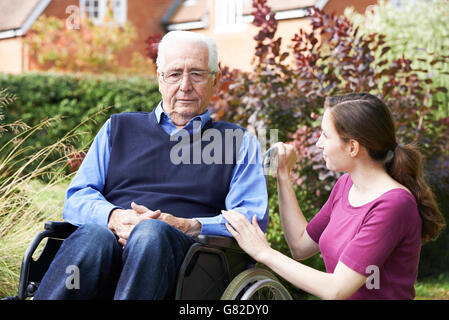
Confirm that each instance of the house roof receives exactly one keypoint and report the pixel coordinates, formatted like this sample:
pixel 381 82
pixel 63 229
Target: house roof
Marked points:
pixel 16 17
pixel 189 11
pixel 280 5
pixel 195 10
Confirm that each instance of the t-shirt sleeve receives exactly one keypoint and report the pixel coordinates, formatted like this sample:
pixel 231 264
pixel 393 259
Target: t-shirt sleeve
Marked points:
pixel 379 234
pixel 318 223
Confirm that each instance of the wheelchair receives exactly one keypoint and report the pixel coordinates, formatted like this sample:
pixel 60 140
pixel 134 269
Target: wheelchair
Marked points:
pixel 214 268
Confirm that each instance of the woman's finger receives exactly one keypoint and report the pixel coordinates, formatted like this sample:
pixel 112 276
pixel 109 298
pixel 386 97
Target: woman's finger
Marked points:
pixel 259 231
pixel 291 155
pixel 231 230
pixel 281 148
pixel 256 225
pixel 281 155
pixel 254 220
pixel 235 219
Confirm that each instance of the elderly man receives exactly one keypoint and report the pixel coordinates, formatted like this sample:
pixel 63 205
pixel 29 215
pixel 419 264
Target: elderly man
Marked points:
pixel 138 204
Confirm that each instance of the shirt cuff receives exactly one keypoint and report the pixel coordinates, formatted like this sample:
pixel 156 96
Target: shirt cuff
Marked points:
pixel 214 226
pixel 101 216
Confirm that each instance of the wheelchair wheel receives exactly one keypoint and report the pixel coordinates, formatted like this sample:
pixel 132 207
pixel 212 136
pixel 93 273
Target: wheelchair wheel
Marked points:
pixel 255 284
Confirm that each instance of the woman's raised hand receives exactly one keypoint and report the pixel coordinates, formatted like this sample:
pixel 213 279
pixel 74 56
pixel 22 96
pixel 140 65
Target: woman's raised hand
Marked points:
pixel 287 158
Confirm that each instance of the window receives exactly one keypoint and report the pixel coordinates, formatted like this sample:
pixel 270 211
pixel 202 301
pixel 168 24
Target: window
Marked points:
pixel 120 8
pixel 96 9
pixel 229 15
pixel 190 3
pixel 402 3
pixel 395 3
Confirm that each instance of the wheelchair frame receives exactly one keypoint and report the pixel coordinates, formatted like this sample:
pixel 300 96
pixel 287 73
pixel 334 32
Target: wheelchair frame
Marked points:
pixel 214 267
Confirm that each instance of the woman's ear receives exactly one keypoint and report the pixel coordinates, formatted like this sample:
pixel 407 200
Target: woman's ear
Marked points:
pixel 354 147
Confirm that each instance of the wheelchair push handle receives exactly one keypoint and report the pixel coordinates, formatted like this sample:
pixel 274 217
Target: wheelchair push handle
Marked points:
pixel 218 242
pixel 59 229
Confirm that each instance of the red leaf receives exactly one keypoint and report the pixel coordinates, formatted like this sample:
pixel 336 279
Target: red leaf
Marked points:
pixel 384 50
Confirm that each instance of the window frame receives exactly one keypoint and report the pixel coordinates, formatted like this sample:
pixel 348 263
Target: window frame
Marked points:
pixel 229 16
pixel 120 15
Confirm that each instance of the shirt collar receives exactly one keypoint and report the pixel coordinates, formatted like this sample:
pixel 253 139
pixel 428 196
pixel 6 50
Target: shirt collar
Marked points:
pixel 161 114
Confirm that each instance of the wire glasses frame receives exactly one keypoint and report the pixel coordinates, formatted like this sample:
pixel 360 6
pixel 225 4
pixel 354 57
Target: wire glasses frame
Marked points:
pixel 198 77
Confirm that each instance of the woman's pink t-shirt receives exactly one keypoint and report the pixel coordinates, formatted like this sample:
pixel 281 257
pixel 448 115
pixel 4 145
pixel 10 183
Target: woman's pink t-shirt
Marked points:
pixel 380 240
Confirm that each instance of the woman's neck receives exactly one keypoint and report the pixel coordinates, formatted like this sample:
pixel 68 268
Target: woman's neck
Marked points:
pixel 369 176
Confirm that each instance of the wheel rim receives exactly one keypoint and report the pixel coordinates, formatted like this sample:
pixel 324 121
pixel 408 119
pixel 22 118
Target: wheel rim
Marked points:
pixel 267 289
pixel 255 284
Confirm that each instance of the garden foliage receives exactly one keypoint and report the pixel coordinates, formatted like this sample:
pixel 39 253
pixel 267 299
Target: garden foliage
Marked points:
pixel 73 99
pixel 286 91
pixel 21 165
pixel 417 29
pixel 84 47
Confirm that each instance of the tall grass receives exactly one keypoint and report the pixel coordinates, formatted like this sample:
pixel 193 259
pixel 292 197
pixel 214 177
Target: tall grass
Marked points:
pixel 20 219
pixel 22 167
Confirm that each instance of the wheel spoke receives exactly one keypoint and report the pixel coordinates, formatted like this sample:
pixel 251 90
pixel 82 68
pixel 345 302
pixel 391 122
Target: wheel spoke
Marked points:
pixel 256 284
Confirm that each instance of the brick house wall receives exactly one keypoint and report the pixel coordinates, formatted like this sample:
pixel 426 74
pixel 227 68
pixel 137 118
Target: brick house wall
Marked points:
pixel 338 6
pixel 13 55
pixel 144 15
pixel 236 48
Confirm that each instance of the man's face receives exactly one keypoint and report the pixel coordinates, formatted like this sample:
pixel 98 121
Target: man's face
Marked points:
pixel 186 99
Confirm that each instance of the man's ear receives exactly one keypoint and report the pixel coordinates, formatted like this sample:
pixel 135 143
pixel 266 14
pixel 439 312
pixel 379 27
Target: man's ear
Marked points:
pixel 159 80
pixel 217 79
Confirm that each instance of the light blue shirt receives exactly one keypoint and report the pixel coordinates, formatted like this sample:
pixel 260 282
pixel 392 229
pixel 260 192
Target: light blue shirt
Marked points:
pixel 85 203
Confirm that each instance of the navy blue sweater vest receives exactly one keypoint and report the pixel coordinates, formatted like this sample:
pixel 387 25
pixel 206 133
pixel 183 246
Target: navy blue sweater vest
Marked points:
pixel 141 170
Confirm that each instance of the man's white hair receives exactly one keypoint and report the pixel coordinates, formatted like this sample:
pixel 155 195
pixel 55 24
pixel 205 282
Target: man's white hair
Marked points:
pixel 174 37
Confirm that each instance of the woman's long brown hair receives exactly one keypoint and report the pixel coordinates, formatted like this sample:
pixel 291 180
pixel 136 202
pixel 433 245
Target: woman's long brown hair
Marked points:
pixel 366 119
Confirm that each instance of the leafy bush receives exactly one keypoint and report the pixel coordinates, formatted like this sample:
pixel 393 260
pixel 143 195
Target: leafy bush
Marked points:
pixel 88 48
pixel 76 44
pixel 74 99
pixel 418 41
pixel 286 91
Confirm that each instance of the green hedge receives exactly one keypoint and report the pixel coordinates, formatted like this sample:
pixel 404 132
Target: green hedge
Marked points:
pixel 75 98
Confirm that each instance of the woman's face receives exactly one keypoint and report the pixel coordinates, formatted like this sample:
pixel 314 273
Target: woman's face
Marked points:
pixel 336 152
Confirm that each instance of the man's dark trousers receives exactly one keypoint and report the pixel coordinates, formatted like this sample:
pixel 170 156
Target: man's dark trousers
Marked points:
pixel 145 269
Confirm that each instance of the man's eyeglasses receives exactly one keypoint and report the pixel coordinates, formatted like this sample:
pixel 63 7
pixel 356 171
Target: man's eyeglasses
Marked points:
pixel 198 77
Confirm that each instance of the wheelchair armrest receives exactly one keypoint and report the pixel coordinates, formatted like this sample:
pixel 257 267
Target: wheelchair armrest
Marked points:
pixel 59 229
pixel 218 242
pixel 52 229
pixel 32 270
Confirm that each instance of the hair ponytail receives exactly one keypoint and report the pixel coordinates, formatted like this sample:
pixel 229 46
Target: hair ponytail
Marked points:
pixel 406 168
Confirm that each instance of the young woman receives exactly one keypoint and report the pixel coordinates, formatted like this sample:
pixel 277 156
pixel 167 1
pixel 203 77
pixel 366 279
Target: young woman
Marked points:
pixel 371 229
